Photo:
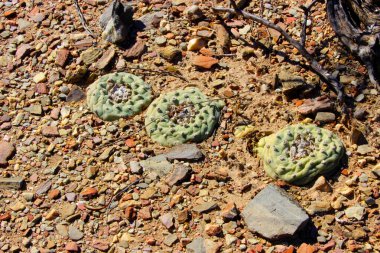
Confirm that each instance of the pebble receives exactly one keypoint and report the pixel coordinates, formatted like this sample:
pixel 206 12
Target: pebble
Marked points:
pixel 205 62
pixel 72 247
pixel 325 117
pixel 206 207
pixel 39 78
pixel 356 212
pixel 196 246
pixel 212 229
pixel 67 210
pixel 170 240
pixel 7 150
pixel 74 233
pixel 185 152
pixel 50 131
pixel 167 220
pixel 180 173
pixel 230 212
pixel 18 206
pixel 161 41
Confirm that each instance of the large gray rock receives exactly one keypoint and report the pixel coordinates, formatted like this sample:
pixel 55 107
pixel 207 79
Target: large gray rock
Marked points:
pixel 116 22
pixel 274 215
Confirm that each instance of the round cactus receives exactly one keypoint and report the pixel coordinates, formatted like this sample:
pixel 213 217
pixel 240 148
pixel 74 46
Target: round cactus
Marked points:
pixel 182 116
pixel 118 95
pixel 298 153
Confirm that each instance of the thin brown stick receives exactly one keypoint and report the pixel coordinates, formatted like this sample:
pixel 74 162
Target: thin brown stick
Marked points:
pixel 125 189
pixel 314 64
pixel 83 20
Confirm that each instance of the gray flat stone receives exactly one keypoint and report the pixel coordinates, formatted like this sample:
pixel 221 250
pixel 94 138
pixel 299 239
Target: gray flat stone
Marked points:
pixel 74 233
pixel 196 246
pixel 356 212
pixel 206 207
pixel 170 240
pixel 274 215
pixel 325 117
pixel 185 152
pixel 156 167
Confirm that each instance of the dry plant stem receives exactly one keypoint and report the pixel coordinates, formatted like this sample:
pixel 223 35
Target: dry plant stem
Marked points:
pixel 125 189
pixel 314 64
pixel 83 20
pixel 306 10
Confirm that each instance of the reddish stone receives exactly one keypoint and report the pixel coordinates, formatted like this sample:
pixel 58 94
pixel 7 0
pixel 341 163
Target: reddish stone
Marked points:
pixel 206 51
pixel 130 143
pixel 72 247
pixel 256 249
pixel 212 229
pixel 328 246
pixel 290 20
pixel 41 88
pixel 5 217
pixel 306 248
pixel 105 59
pixel 205 62
pixel 136 51
pixel 215 143
pixel 9 14
pixel 50 131
pixel 22 51
pixel 89 192
pixel 289 250
pixel 100 245
pixel 145 213
pixel 150 241
pixel 54 114
pixel 7 150
pixel 54 194
pixel 6 126
pixel 130 213
pixel 62 56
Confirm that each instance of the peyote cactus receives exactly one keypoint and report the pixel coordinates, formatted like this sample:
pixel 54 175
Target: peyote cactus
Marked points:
pixel 182 116
pixel 298 153
pixel 118 95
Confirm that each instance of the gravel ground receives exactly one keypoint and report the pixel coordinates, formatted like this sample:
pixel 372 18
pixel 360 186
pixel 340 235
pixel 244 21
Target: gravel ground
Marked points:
pixel 59 161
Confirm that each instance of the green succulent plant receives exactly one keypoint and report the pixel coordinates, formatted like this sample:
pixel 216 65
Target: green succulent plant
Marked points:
pixel 118 95
pixel 298 153
pixel 182 116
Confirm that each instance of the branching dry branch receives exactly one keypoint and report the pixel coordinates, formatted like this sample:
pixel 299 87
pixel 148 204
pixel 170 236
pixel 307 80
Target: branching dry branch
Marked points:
pixel 333 83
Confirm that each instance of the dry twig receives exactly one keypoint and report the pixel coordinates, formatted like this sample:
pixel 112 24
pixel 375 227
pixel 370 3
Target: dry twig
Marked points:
pixel 314 64
pixel 306 10
pixel 83 20
pixel 125 189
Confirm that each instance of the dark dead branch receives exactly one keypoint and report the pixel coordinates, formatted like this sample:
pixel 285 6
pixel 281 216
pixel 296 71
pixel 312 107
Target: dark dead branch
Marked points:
pixel 330 80
pixel 306 10
pixel 357 24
